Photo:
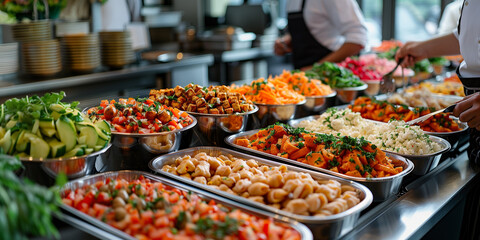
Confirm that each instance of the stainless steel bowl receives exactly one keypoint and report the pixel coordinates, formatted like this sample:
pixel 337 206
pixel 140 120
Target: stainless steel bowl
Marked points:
pixel 382 188
pixel 330 227
pixel 316 104
pixel 156 143
pixel 211 129
pixel 426 163
pixel 452 137
pixel 44 171
pixel 347 95
pixel 271 113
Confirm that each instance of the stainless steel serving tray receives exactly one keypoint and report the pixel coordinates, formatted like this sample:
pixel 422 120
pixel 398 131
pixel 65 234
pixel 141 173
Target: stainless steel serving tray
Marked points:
pixel 131 175
pixel 423 163
pixel 382 188
pixel 330 227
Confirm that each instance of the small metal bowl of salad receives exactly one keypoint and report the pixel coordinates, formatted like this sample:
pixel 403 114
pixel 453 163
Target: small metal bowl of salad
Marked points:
pixel 51 137
pixel 156 127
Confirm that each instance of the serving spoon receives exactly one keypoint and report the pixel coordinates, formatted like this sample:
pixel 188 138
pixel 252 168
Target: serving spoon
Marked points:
pixel 387 85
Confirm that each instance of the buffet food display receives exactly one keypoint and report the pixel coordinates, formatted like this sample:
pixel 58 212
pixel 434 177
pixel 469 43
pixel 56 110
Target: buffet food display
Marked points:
pixel 290 191
pixel 384 111
pixel 307 175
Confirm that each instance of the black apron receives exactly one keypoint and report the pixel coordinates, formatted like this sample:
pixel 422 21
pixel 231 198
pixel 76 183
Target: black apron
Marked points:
pixel 306 50
pixel 471 86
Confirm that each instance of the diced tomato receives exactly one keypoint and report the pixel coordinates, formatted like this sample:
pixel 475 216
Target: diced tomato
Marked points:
pixel 104 197
pixel 119 128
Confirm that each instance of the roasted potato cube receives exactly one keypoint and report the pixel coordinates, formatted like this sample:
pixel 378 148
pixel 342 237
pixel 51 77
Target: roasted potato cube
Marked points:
pixel 179 91
pixel 228 110
pixel 201 102
pixel 182 99
pixel 190 93
pixel 162 99
pixel 215 101
pixel 213 111
pixel 200 93
pixel 192 107
pixel 233 100
pixel 222 96
pixel 196 88
pixel 203 110
pixel 164 116
pixel 190 85
pixel 236 107
pixel 167 102
pixel 225 104
pixel 184 106
pixel 169 92
pixel 195 98
pixel 220 110
pixel 210 95
pixel 245 107
pixel 176 104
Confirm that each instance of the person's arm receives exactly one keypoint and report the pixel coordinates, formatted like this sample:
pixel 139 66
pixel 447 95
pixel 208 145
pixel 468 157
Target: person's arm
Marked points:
pixel 435 47
pixel 468 109
pixel 283 45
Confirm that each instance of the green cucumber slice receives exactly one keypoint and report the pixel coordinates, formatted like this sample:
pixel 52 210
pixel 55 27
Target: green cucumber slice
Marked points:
pixel 58 148
pixel 90 134
pixel 77 151
pixel 47 123
pixel 66 132
pixel 6 141
pixel 39 148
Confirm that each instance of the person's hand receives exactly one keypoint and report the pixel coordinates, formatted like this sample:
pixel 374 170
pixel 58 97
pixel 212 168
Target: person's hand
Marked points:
pixel 468 110
pixel 411 52
pixel 283 45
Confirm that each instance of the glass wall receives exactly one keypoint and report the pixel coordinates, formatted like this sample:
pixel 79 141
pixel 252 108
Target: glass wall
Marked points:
pixel 416 19
pixel 372 10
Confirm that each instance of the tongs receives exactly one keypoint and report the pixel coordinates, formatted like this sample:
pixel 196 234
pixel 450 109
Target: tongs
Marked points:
pixel 387 85
pixel 425 117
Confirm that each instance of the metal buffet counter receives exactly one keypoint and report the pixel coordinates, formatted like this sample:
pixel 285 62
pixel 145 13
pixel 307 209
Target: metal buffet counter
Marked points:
pixel 418 211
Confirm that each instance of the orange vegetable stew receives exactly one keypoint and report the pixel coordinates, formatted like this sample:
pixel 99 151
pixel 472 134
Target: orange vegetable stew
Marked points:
pixel 384 111
pixel 151 210
pixel 346 155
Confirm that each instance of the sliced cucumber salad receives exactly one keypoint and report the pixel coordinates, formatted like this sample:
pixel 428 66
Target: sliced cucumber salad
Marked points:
pixel 46 127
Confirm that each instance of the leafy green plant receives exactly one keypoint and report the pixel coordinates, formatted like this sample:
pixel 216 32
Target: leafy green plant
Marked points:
pixel 26 209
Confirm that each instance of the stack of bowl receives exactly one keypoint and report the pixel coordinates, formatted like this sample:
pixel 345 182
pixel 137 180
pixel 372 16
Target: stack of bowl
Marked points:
pixel 33 31
pixel 41 57
pixel 116 48
pixel 82 52
pixel 8 58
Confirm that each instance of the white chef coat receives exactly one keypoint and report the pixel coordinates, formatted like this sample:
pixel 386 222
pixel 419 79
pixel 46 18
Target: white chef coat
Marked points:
pixel 332 22
pixel 450 16
pixel 469 39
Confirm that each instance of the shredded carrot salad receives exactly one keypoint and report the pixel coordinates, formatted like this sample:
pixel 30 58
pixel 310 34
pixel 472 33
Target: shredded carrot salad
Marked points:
pixel 346 155
pixel 298 82
pixel 269 91
pixel 151 210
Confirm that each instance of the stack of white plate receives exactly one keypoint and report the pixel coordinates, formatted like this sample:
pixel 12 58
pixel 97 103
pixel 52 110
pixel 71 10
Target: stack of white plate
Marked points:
pixel 70 28
pixel 41 57
pixel 33 31
pixel 82 52
pixel 8 58
pixel 116 48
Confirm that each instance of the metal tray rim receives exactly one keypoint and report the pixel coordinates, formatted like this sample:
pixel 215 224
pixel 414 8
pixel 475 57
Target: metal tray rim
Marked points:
pixel 229 140
pixel 333 94
pixel 281 105
pixel 305 233
pixel 301 218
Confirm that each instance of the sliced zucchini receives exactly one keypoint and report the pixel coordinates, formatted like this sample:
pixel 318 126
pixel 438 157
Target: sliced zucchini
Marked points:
pixel 6 141
pixel 57 108
pixel 90 134
pixel 22 142
pixel 39 148
pixel 11 124
pixel 2 132
pixel 36 126
pixel 14 141
pixel 55 115
pixel 49 132
pixel 104 125
pixel 76 151
pixel 66 132
pixel 88 150
pixel 47 123
pixel 58 148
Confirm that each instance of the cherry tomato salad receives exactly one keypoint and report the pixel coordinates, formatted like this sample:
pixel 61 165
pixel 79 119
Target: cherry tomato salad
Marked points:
pixel 141 115
pixel 151 210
